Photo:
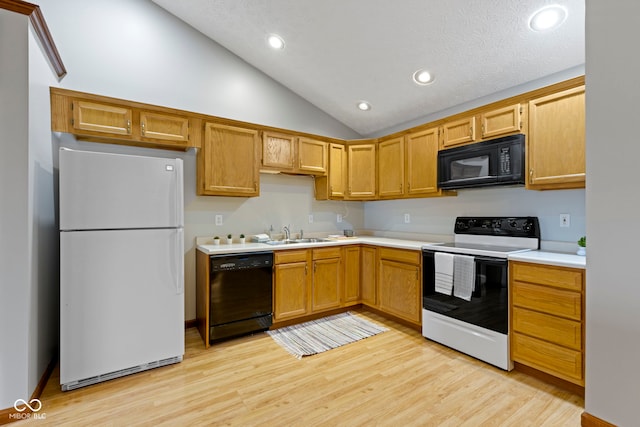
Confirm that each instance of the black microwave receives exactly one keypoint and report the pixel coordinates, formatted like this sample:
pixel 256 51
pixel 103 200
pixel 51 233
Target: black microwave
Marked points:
pixel 498 161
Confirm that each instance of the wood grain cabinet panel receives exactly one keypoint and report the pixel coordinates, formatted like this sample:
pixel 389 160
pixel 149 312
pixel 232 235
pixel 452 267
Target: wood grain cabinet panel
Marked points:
pixel 458 132
pixel 102 118
pixel 547 319
pixel 333 184
pixel 327 284
pixel 312 156
pixel 228 163
pixel 399 290
pixel 501 121
pixel 361 172
pixel 391 168
pixel 556 148
pixel 351 264
pixel 368 275
pixel 164 127
pixel 421 163
pixel 278 151
pixel 290 293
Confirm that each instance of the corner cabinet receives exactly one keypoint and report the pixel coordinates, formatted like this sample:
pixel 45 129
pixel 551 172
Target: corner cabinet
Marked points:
pixel 547 319
pixel 361 172
pixel 332 186
pixel 228 163
pixel 556 147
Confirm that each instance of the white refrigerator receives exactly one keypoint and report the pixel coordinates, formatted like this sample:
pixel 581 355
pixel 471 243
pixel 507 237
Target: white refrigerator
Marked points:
pixel 121 265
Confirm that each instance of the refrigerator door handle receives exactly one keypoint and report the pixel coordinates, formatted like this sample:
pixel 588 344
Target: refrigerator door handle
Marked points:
pixel 177 254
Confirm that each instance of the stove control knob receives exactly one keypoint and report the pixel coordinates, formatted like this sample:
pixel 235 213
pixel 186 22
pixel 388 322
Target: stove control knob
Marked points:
pixel 513 223
pixel 527 226
pixel 460 225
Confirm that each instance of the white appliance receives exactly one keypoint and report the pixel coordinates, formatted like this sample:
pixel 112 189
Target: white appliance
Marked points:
pixel 121 265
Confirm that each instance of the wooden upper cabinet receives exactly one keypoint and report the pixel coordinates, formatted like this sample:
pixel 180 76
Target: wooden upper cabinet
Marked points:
pixel 292 154
pixel 278 151
pixel 422 163
pixel 556 148
pixel 101 118
pixel 391 168
pixel 457 132
pixel 312 156
pixel 334 183
pixel 501 121
pixel 164 127
pixel 361 172
pixel 228 163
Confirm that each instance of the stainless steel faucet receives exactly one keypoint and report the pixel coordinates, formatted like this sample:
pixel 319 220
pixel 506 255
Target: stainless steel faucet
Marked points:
pixel 287 233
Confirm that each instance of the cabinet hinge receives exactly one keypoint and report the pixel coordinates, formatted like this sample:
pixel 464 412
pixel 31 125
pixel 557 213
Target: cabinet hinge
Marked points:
pixel 521 109
pixel 72 122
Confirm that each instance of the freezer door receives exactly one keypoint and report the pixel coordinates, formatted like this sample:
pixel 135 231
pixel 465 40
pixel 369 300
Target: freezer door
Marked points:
pixel 115 191
pixel 121 300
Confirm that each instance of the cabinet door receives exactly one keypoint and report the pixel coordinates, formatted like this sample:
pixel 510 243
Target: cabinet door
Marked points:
pixel 99 118
pixel 391 168
pixel 351 257
pixel 229 162
pixel 290 293
pixel 278 150
pixel 368 276
pixel 361 172
pixel 337 170
pixel 312 156
pixel 459 132
pixel 164 127
pixel 501 121
pixel 557 140
pixel 327 284
pixel 422 162
pixel 399 289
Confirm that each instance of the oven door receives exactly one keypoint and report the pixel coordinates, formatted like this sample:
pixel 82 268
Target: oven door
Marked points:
pixel 489 305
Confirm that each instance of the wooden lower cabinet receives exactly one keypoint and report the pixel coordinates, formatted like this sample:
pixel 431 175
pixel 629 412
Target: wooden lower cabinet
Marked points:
pixel 368 276
pixel 326 286
pixel 547 319
pixel 290 290
pixel 399 286
pixel 351 283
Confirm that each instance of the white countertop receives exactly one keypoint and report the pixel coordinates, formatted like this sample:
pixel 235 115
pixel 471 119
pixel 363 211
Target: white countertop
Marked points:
pixel 551 258
pixel 235 248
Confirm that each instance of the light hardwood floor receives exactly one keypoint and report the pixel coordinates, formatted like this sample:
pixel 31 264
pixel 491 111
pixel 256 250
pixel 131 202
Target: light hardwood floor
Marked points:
pixel 396 378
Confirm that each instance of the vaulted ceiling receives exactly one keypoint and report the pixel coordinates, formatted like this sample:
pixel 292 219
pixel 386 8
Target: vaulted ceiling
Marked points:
pixel 340 52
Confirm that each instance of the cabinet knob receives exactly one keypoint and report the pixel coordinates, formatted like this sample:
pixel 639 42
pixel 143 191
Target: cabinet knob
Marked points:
pixel 129 126
pixel 142 127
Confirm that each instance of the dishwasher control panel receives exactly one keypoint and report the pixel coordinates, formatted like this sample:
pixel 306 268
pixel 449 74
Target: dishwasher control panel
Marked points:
pixel 242 261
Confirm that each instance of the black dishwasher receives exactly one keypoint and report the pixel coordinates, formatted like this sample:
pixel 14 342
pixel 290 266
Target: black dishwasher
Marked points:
pixel 241 294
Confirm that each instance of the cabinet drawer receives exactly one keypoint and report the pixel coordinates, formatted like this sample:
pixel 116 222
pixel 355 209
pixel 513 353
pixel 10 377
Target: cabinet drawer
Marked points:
pixel 325 253
pixel 550 358
pixel 284 257
pixel 545 275
pixel 400 255
pixel 548 300
pixel 564 332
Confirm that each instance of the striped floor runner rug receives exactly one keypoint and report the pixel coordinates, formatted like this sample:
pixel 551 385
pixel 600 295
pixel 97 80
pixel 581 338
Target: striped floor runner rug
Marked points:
pixel 324 334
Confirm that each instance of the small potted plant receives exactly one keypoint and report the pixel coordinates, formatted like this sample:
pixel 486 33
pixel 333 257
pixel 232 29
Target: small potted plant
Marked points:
pixel 229 238
pixel 216 240
pixel 242 238
pixel 582 245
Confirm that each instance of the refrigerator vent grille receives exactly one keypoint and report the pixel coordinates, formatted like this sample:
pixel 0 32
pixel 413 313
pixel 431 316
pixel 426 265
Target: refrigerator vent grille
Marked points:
pixel 121 373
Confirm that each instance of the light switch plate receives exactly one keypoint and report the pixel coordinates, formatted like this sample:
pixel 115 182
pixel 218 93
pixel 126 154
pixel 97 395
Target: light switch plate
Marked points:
pixel 407 218
pixel 339 218
pixel 310 218
pixel 218 219
pixel 565 220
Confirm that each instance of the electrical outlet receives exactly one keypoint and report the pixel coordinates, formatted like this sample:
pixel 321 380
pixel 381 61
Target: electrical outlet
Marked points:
pixel 310 218
pixel 565 220
pixel 339 218
pixel 218 219
pixel 407 218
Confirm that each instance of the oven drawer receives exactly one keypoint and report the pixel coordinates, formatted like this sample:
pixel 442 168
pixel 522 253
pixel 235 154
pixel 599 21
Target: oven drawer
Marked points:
pixel 559 361
pixel 553 301
pixel 551 276
pixel 550 328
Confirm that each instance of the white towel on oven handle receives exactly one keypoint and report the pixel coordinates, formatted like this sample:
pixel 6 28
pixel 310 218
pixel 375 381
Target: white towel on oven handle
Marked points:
pixel 464 276
pixel 443 263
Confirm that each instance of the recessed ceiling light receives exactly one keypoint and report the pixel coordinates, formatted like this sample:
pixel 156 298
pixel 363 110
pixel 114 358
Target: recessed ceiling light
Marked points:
pixel 548 18
pixel 364 105
pixel 275 41
pixel 422 77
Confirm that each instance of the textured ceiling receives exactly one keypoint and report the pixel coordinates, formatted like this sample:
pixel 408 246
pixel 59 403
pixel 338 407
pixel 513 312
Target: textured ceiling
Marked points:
pixel 341 51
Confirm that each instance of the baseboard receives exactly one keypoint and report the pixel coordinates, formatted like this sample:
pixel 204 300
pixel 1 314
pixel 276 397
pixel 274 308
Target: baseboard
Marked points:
pixel 193 323
pixel 588 420
pixel 5 414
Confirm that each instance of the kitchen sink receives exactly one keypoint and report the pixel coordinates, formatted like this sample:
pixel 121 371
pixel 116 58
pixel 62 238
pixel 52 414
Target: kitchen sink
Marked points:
pixel 294 241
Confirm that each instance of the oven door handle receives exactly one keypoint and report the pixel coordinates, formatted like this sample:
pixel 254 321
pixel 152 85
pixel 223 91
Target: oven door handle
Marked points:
pixel 492 260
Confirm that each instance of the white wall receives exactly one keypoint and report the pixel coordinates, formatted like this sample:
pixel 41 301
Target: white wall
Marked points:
pixel 613 207
pixel 28 233
pixel 437 215
pixel 15 274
